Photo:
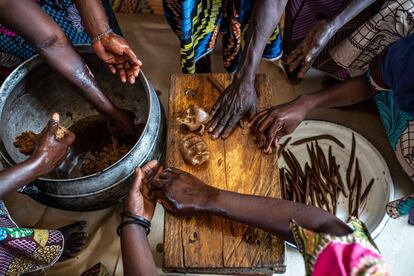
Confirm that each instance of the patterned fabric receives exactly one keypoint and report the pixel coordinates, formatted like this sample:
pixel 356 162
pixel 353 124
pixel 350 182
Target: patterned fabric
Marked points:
pixel 400 207
pixel 302 16
pixel 197 24
pixel 97 270
pixel 393 21
pixel 14 49
pixel 138 6
pixel 399 127
pixel 24 250
pixel 353 254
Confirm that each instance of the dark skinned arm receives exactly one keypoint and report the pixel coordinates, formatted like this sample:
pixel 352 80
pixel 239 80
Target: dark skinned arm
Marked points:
pixel 48 154
pixel 183 194
pixel 240 98
pixel 53 46
pixel 113 49
pixel 136 251
pixel 280 120
pixel 320 35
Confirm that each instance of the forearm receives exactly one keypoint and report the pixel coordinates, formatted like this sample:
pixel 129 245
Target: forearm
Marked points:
pixel 93 16
pixel 136 253
pixel 346 93
pixel 19 175
pixel 349 12
pixel 274 215
pixel 51 43
pixel 265 16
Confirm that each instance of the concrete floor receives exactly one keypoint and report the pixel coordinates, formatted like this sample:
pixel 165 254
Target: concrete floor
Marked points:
pixel 157 46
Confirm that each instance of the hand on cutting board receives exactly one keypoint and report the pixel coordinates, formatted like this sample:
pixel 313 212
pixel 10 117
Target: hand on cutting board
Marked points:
pixel 238 100
pixel 269 125
pixel 115 51
pixel 181 193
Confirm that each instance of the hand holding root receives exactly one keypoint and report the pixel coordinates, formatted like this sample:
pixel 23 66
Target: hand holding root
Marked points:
pixel 269 125
pixel 53 145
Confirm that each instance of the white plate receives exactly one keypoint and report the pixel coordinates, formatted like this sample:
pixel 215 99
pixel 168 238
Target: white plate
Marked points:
pixel 371 163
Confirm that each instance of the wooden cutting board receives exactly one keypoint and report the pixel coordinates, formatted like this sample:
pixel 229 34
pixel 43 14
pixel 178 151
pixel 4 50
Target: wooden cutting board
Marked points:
pixel 211 244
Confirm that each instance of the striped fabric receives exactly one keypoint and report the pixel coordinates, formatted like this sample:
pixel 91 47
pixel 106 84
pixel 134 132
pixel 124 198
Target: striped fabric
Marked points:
pixel 302 16
pixel 198 22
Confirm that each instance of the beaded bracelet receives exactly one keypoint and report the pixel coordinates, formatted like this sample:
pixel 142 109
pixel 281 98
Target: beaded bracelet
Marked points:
pixel 99 36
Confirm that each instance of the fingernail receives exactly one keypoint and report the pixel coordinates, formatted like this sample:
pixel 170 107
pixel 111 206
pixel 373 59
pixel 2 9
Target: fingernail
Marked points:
pixel 56 117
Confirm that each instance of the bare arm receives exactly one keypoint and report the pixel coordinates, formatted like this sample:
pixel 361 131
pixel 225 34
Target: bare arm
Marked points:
pixel 48 154
pixel 319 36
pixel 54 47
pixel 136 252
pixel 113 49
pixel 240 98
pixel 184 194
pixel 279 120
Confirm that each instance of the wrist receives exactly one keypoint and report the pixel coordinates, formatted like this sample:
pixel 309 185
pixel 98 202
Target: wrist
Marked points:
pixel 213 203
pixel 37 165
pixel 308 101
pixel 244 75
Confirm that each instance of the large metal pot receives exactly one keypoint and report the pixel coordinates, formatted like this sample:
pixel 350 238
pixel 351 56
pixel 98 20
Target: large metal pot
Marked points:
pixel 33 91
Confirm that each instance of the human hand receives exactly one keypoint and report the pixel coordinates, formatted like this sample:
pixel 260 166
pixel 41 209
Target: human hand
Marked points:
pixel 237 100
pixel 182 193
pixel 115 51
pixel 271 124
pixel 138 201
pixel 306 53
pixel 52 148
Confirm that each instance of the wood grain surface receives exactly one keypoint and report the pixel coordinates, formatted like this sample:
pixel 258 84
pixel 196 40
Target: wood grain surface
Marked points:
pixel 211 244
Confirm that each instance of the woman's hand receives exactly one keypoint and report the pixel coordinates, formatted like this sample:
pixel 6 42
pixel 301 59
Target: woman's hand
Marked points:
pixel 271 124
pixel 138 201
pixel 182 193
pixel 118 56
pixel 305 54
pixel 51 147
pixel 237 100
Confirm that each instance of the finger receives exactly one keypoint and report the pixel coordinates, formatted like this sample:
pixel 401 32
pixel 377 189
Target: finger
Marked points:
pixel 137 182
pixel 112 69
pixel 136 70
pixel 69 137
pixel 133 57
pixel 295 63
pixel 131 76
pixel 230 126
pixel 305 67
pixel 157 184
pixel 221 125
pixel 127 66
pixel 155 194
pixel 122 72
pixel 258 116
pixel 215 108
pixel 271 135
pixel 150 169
pixel 294 54
pixel 266 123
pixel 215 121
pixel 53 124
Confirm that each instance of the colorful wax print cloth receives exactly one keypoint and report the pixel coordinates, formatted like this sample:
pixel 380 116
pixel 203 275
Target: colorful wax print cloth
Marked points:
pixel 394 20
pixel 24 250
pixel 14 49
pixel 353 254
pixel 197 24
